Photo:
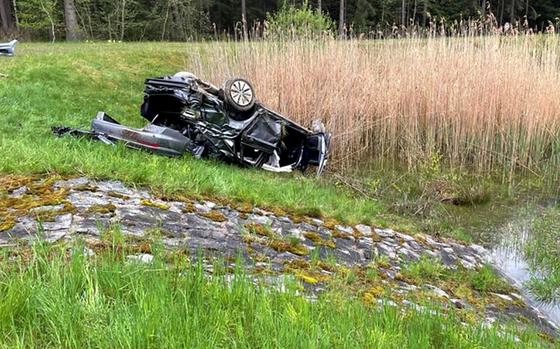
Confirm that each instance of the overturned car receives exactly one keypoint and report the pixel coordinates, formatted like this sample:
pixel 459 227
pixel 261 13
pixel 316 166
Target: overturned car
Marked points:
pixel 188 114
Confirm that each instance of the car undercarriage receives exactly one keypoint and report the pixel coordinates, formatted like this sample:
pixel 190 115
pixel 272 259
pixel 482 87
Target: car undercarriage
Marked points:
pixel 187 114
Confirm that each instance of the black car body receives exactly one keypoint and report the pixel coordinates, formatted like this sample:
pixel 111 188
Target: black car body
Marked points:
pixel 188 114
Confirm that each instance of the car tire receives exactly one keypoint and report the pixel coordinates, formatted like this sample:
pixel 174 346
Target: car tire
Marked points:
pixel 239 94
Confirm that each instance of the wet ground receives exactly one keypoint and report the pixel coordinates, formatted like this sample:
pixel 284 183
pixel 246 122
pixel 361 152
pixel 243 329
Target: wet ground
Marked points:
pixel 507 256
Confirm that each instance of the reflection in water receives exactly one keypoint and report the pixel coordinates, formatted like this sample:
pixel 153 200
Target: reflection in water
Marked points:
pixel 508 258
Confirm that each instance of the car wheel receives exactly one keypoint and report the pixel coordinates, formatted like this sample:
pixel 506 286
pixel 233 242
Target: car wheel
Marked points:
pixel 239 94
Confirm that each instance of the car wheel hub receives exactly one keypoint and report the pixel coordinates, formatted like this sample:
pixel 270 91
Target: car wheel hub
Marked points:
pixel 241 93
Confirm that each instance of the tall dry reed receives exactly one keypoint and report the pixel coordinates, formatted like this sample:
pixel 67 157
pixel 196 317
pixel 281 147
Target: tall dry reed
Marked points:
pixel 483 103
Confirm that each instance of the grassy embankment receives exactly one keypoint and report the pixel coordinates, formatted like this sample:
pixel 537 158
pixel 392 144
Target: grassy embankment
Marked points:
pixel 387 103
pixel 54 297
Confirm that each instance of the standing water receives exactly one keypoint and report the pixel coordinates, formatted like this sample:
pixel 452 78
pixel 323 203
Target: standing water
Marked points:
pixel 508 258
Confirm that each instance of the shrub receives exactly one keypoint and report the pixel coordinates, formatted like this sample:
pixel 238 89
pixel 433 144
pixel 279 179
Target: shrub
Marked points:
pixel 298 22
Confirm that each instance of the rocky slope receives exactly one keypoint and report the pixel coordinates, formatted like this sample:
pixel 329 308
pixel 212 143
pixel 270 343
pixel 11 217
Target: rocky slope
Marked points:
pixel 381 266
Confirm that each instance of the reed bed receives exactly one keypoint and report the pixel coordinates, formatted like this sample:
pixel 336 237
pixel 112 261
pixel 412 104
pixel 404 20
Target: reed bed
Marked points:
pixel 483 103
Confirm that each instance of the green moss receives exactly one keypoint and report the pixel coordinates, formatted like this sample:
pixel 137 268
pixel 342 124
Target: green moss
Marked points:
pixel 330 267
pixel 331 224
pixel 50 215
pixel 189 208
pixel 118 195
pixel 374 293
pixel 297 219
pixel 259 229
pixel 86 187
pixel 215 216
pixel 315 212
pixel 151 203
pixel 285 246
pixel 305 271
pixel 277 211
pixel 12 182
pixel 340 235
pixel 303 276
pixel 243 207
pixel 318 240
pixel 313 236
pixel 8 223
pixel 39 194
pixel 102 209
pixel 297 264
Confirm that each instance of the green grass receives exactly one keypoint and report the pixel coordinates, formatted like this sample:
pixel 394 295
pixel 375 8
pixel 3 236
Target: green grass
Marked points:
pixel 55 299
pixel 487 280
pixel 67 84
pixel 428 269
pixel 543 255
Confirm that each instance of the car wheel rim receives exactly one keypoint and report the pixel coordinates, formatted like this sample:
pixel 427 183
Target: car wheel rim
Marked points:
pixel 241 93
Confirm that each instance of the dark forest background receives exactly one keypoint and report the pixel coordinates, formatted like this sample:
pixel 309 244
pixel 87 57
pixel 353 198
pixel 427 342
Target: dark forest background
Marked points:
pixel 181 20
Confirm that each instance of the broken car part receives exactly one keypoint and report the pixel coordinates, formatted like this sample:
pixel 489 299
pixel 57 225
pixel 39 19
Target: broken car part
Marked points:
pixel 189 114
pixel 8 48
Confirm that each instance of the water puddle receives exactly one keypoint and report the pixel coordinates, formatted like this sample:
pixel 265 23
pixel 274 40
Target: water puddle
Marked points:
pixel 508 258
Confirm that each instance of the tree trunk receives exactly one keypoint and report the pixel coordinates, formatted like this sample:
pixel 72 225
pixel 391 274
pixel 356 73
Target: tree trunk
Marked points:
pixel 484 9
pixel 502 12
pixel 166 18
pixel 109 28
pixel 403 12
pixel 6 16
pixel 512 12
pixel 179 24
pixel 122 18
pixel 244 19
pixel 341 24
pixel 414 13
pixel 14 8
pixel 51 20
pixel 425 13
pixel 319 6
pixel 70 20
